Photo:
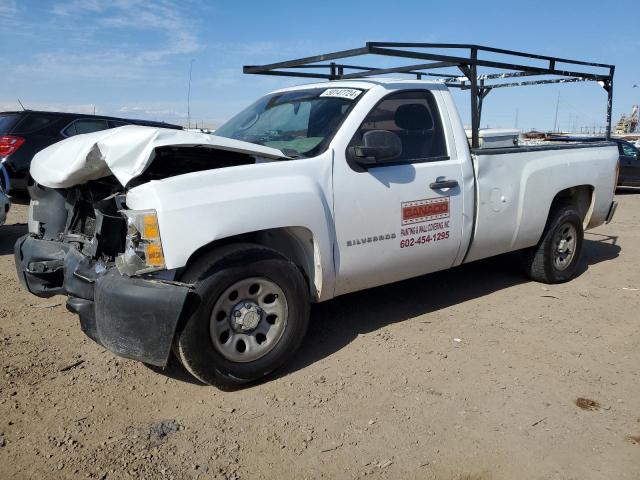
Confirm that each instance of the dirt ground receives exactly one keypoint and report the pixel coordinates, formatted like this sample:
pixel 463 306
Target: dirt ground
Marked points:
pixel 474 374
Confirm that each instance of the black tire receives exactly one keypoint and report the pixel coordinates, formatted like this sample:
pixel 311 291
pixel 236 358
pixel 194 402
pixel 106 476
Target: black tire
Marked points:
pixel 214 273
pixel 541 262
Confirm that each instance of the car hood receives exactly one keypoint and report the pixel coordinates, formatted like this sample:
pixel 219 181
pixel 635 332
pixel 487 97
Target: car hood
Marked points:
pixel 124 152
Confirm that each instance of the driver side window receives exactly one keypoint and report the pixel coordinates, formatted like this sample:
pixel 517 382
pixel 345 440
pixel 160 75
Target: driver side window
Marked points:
pixel 414 117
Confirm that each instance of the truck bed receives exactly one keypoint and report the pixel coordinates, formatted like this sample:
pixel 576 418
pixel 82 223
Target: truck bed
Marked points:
pixel 515 188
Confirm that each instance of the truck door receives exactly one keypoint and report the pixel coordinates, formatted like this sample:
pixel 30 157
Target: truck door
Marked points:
pixel 629 164
pixel 404 217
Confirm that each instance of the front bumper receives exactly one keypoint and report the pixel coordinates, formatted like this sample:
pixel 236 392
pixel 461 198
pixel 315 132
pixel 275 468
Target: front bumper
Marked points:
pixel 132 317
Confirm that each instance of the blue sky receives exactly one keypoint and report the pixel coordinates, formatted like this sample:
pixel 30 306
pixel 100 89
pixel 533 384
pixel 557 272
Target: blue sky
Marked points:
pixel 131 57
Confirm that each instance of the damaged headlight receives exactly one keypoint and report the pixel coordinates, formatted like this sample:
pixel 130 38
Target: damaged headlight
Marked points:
pixel 143 247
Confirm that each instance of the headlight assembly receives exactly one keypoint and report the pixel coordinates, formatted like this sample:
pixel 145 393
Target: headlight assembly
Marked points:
pixel 143 247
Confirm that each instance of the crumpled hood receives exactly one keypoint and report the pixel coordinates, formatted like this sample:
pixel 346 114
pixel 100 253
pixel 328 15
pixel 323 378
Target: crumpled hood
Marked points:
pixel 124 152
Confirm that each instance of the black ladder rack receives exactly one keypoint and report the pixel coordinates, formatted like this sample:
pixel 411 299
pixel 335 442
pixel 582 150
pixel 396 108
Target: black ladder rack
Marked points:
pixel 324 67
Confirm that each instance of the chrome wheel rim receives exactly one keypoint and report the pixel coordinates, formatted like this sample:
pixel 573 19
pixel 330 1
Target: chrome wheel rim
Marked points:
pixel 248 319
pixel 564 246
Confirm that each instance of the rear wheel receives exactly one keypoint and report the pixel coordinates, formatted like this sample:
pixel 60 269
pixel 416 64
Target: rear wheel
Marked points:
pixel 252 316
pixel 556 257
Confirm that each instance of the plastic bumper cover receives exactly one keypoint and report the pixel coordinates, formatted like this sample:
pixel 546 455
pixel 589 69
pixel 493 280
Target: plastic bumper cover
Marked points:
pixel 132 317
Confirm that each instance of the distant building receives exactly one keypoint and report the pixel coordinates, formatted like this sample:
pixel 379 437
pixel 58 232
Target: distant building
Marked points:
pixel 628 124
pixel 534 135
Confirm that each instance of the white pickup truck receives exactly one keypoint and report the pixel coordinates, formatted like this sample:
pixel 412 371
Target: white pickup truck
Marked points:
pixel 215 245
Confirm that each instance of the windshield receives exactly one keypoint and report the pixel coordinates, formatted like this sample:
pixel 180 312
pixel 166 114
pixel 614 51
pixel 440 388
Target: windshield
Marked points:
pixel 299 123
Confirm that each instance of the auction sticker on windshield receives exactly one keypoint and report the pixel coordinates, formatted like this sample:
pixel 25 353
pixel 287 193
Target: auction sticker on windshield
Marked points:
pixel 346 93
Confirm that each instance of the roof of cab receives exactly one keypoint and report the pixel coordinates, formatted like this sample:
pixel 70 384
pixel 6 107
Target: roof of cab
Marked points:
pixel 367 84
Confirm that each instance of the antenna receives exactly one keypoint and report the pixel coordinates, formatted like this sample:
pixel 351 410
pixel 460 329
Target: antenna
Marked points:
pixel 21 104
pixel 189 96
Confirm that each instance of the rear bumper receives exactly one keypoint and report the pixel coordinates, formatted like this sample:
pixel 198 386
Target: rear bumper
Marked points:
pixel 132 317
pixel 18 178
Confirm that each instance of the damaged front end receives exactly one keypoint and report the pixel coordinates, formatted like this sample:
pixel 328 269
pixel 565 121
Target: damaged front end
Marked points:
pixel 84 243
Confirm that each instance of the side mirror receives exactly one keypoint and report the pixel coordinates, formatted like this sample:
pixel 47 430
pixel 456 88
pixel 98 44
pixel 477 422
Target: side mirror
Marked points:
pixel 378 147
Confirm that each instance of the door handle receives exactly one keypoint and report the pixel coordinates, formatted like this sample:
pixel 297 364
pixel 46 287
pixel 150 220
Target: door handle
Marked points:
pixel 442 183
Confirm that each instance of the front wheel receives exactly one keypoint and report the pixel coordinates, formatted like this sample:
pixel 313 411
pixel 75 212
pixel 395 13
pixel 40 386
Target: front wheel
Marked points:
pixel 252 316
pixel 556 257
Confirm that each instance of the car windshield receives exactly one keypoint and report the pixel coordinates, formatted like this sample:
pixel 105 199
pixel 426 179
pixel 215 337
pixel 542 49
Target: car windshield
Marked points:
pixel 299 123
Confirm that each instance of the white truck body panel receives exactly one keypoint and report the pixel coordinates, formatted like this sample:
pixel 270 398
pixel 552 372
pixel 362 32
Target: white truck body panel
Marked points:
pixel 369 204
pixel 516 189
pixel 198 208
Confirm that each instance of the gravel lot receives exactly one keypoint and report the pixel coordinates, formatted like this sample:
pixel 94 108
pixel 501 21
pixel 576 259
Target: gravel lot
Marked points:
pixel 471 374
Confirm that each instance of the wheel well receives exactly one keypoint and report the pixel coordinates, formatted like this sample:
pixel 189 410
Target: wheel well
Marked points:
pixel 295 243
pixel 581 197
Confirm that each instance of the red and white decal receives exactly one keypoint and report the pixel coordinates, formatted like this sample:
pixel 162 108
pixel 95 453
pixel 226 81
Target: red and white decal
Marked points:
pixel 424 222
pixel 419 211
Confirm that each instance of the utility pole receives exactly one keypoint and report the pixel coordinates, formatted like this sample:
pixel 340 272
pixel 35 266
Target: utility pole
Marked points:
pixel 637 129
pixel 189 96
pixel 555 121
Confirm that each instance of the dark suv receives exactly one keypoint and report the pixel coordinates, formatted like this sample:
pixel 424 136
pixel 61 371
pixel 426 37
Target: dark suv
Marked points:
pixel 629 164
pixel 23 134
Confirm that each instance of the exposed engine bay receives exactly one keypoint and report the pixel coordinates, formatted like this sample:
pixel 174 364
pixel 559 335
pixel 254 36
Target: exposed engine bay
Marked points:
pixel 82 231
pixel 86 216
pixel 172 161
pixel 130 152
pixel 90 216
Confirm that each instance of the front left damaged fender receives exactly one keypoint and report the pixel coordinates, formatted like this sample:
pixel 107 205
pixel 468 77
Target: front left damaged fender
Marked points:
pixel 196 209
